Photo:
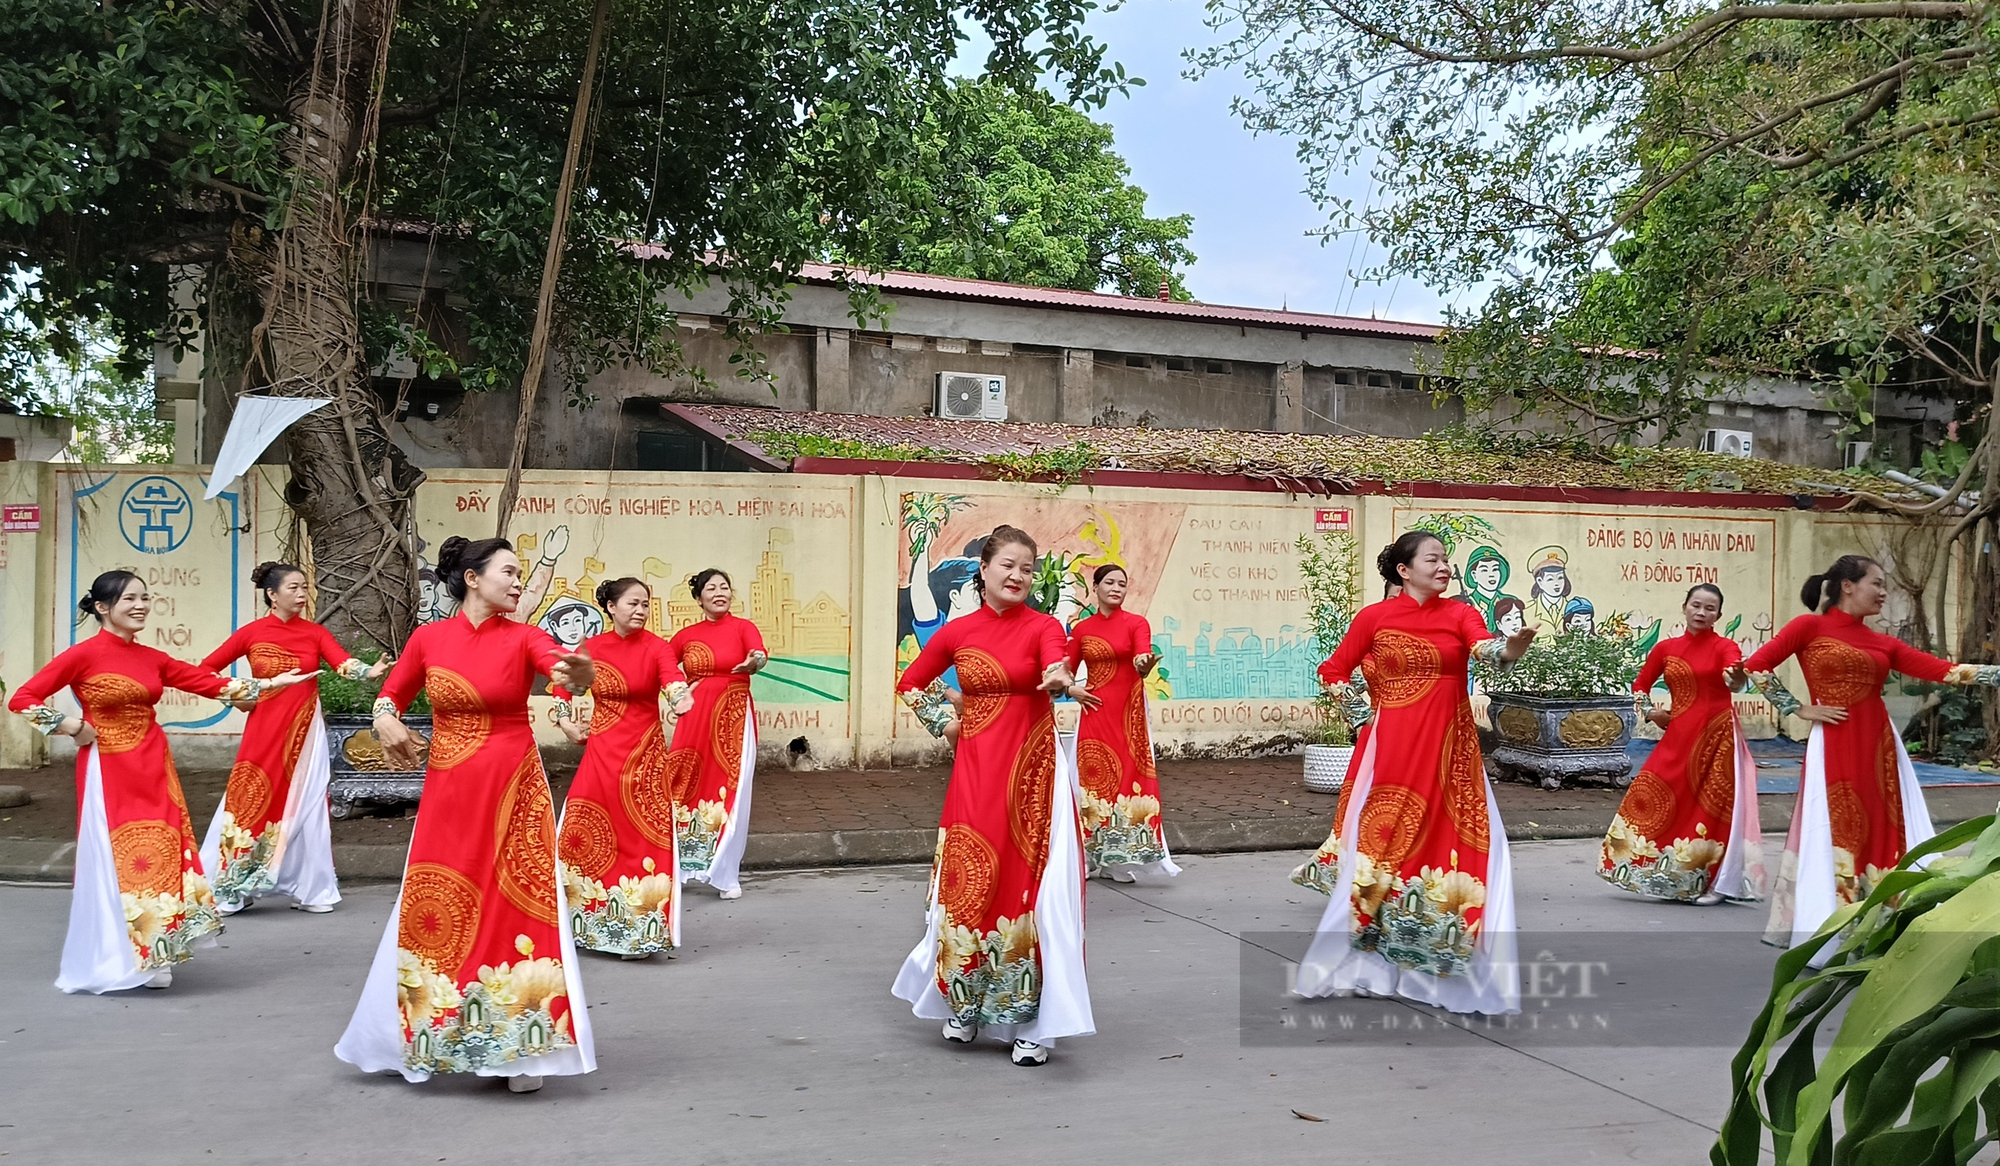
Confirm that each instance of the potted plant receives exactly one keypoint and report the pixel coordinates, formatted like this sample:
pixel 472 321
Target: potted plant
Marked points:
pixel 1327 567
pixel 1563 712
pixel 361 774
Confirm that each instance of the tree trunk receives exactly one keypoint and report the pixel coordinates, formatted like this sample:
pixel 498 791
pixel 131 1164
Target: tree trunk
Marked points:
pixel 350 485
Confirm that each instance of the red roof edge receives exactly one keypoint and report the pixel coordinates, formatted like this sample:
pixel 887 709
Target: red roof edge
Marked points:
pixel 749 451
pixel 1321 487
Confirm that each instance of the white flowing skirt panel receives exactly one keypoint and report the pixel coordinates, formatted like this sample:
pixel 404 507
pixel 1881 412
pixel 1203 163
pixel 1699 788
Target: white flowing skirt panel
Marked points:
pixel 1806 893
pixel 1743 874
pixel 1333 966
pixel 97 953
pixel 1164 865
pixel 724 871
pixel 1065 1003
pixel 304 855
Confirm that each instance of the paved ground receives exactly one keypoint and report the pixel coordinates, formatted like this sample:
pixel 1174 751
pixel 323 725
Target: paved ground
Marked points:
pixel 839 817
pixel 773 1038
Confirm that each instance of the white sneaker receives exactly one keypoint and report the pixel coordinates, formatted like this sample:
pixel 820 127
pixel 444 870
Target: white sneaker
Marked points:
pixel 523 1084
pixel 1027 1052
pixel 1121 875
pixel 1710 899
pixel 313 908
pixel 959 1032
pixel 164 978
pixel 733 893
pixel 226 907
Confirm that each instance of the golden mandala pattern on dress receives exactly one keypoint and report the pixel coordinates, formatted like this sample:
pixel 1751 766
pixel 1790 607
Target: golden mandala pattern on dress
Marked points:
pixel 1406 667
pixel 1137 736
pixel 588 839
pixel 1097 770
pixel 1390 820
pixel 697 660
pixel 438 920
pixel 524 843
pixel 295 737
pixel 984 682
pixel 147 853
pixel 178 794
pixel 1892 785
pixel 652 781
pixel 1101 662
pixel 1847 817
pixel 249 795
pixel 1839 673
pixel 1648 806
pixel 118 707
pixel 268 660
pixel 1030 793
pixel 608 694
pixel 460 723
pixel 1462 780
pixel 966 868
pixel 1682 686
pixel 1713 767
pixel 726 727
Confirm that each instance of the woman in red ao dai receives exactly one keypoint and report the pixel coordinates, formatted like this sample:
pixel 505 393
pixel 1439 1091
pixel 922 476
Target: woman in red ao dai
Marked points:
pixel 1118 786
pixel 619 857
pixel 713 758
pixel 1003 946
pixel 142 901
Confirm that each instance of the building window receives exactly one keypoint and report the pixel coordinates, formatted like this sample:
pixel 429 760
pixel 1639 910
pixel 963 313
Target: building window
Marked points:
pixel 1138 362
pixel 1378 380
pixel 1412 384
pixel 1218 368
pixel 1342 376
pixel 671 451
pixel 1179 364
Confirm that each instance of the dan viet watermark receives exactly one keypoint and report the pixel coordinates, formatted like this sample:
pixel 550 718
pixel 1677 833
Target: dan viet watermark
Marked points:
pixel 1648 988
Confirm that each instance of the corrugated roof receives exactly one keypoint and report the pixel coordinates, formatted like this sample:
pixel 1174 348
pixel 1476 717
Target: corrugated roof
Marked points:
pixel 775 438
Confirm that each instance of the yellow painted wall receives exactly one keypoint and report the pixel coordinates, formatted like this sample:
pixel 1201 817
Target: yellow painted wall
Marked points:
pixel 846 575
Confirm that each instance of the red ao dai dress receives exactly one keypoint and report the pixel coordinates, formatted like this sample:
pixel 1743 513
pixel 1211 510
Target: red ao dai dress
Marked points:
pixel 1423 905
pixel 142 902
pixel 1859 807
pixel 1003 947
pixel 620 864
pixel 272 833
pixel 713 756
pixel 1118 786
pixel 476 972
pixel 1688 823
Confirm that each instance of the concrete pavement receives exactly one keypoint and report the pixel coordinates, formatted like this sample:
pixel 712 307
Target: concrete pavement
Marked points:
pixel 773 1038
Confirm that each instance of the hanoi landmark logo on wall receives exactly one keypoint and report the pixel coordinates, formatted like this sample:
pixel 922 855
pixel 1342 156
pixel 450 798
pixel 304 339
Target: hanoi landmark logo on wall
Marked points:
pixel 155 515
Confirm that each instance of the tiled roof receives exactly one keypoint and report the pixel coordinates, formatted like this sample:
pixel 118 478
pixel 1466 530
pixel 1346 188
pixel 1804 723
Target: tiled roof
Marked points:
pixel 781 440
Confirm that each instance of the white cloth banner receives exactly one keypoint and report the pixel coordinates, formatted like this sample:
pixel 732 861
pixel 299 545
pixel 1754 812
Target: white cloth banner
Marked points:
pixel 257 423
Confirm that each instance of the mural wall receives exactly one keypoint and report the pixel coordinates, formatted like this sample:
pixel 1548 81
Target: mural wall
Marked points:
pixel 787 544
pixel 1215 573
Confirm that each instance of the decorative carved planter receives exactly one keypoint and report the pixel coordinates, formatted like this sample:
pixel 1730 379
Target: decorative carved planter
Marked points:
pixel 361 774
pixel 1554 739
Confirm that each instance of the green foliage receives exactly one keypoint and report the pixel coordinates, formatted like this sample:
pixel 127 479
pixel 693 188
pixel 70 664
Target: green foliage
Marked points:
pixel 729 143
pixel 1915 1062
pixel 1055 573
pixel 1568 665
pixel 1065 464
pixel 339 696
pixel 74 373
pixel 1017 186
pixel 1657 202
pixel 1328 567
pixel 1952 730
pixel 1453 529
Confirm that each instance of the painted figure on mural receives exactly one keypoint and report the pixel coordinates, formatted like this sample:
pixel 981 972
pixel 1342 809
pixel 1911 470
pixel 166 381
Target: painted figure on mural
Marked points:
pixel 1579 616
pixel 1549 598
pixel 1484 584
pixel 571 622
pixel 1510 615
pixel 435 601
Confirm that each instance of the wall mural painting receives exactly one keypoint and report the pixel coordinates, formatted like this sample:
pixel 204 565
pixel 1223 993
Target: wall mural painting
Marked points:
pixel 1609 572
pixel 570 539
pixel 1219 584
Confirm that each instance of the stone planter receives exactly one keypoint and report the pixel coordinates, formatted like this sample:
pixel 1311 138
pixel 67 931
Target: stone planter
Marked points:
pixel 361 775
pixel 1559 739
pixel 1326 767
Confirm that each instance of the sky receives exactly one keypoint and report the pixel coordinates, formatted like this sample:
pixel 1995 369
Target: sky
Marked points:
pixel 1251 215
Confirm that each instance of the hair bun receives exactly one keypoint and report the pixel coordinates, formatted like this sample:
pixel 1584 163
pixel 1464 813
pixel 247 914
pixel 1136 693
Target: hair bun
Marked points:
pixel 87 605
pixel 1814 592
pixel 449 552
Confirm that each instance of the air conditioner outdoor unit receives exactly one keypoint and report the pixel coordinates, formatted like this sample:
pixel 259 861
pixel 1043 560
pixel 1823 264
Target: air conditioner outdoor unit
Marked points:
pixel 971 396
pixel 1735 442
pixel 1857 452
